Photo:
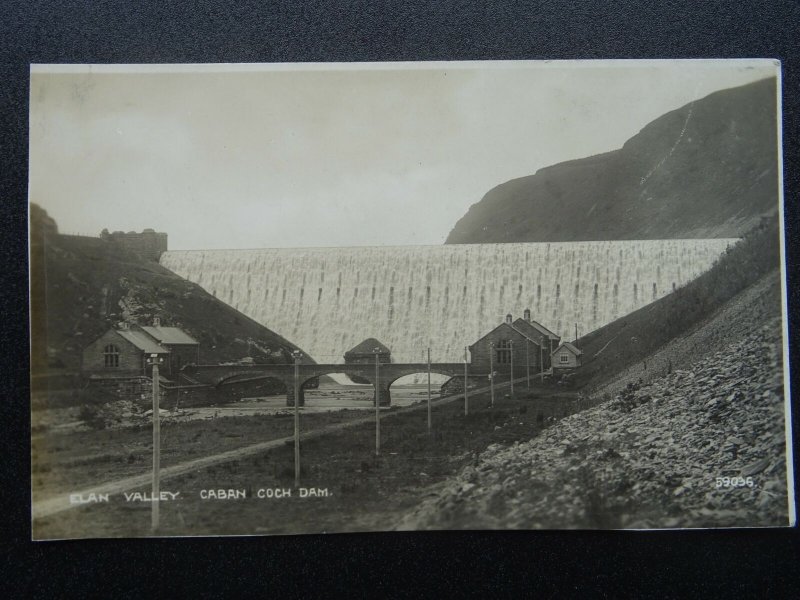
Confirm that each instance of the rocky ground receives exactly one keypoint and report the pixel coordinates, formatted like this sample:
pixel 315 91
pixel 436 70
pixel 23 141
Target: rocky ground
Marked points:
pixel 700 447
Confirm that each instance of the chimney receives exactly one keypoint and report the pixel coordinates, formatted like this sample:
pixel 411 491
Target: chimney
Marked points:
pixel 527 315
pixel 124 326
pixel 156 322
pixel 509 318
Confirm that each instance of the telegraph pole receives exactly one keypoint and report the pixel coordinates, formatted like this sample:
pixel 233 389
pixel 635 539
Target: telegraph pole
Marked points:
pixel 297 356
pixel 377 406
pixel 466 393
pixel 511 345
pixel 541 364
pixel 156 491
pixel 429 390
pixel 528 362
pixel 491 371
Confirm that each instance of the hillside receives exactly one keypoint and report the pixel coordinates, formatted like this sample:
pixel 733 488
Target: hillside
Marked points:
pixel 81 286
pixel 700 447
pixel 707 169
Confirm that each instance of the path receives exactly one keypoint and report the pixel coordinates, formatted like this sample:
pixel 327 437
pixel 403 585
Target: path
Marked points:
pixel 61 503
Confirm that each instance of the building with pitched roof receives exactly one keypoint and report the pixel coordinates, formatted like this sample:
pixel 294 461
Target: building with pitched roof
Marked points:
pixel 510 342
pixel 547 340
pixel 124 352
pixel 120 353
pixel 183 348
pixel 566 357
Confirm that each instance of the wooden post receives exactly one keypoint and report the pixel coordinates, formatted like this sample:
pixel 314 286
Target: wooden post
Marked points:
pixel 491 371
pixel 541 364
pixel 528 362
pixel 156 491
pixel 511 346
pixel 429 390
pixel 377 407
pixel 466 393
pixel 296 419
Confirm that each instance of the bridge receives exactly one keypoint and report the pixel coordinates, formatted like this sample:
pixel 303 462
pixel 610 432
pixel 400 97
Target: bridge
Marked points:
pixel 221 375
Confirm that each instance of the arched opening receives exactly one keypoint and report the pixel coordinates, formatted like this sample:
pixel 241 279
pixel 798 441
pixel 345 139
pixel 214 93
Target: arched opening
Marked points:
pixel 412 388
pixel 254 392
pixel 337 390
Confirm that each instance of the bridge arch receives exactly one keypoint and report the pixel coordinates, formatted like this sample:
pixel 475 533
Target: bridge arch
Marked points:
pixel 386 386
pixel 220 376
pixel 243 377
pixel 449 373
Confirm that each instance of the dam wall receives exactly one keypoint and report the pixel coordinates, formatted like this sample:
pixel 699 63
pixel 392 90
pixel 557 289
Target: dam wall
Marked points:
pixel 327 300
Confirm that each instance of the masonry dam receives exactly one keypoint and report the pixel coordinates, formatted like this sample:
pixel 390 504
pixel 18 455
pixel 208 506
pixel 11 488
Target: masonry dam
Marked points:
pixel 327 300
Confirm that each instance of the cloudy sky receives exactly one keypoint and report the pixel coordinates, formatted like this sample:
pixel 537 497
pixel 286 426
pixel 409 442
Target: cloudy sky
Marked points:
pixel 255 156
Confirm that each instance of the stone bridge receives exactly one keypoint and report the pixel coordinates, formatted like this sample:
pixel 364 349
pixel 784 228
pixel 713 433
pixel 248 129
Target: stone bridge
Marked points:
pixel 388 373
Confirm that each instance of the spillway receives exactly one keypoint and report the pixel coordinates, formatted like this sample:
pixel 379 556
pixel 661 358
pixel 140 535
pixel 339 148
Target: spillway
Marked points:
pixel 327 300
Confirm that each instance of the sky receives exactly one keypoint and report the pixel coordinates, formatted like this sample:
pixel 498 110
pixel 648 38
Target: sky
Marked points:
pixel 297 155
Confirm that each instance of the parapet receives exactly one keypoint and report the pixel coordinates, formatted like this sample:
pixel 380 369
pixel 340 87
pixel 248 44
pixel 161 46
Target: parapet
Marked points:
pixel 148 244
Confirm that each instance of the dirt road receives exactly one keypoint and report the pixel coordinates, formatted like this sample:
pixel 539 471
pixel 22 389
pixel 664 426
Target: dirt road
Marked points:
pixel 61 502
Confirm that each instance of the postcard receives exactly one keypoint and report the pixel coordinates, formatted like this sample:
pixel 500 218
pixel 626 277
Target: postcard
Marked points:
pixel 304 298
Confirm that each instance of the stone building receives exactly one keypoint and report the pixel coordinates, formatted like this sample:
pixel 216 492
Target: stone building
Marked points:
pixel 547 340
pixel 120 353
pixel 506 343
pixel 183 348
pixel 566 357
pixel 124 352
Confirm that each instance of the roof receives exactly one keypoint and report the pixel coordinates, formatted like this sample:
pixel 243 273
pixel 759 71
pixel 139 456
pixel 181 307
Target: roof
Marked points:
pixel 169 335
pixel 538 327
pixel 575 350
pixel 141 341
pixel 368 347
pixel 504 324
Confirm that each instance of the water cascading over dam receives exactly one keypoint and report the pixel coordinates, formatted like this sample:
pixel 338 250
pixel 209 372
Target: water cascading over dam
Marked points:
pixel 327 300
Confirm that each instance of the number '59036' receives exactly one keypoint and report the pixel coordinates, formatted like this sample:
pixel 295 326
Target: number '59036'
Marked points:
pixel 725 482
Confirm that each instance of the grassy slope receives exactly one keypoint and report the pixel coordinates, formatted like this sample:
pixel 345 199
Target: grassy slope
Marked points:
pixel 625 341
pixel 82 286
pixel 708 169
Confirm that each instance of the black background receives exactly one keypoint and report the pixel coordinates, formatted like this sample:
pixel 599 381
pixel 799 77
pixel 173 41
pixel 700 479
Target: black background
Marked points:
pixel 669 564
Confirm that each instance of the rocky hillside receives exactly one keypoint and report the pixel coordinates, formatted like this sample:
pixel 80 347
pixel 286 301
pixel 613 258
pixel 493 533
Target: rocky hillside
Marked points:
pixel 81 286
pixel 702 446
pixel 707 169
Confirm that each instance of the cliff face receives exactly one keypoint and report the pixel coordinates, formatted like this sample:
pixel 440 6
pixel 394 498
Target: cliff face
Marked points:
pixel 707 169
pixel 81 286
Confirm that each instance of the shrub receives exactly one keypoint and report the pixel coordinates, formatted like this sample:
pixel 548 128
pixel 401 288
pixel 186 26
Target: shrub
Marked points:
pixel 92 416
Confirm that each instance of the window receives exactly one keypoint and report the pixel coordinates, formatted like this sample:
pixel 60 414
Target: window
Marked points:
pixel 564 358
pixel 504 352
pixel 111 356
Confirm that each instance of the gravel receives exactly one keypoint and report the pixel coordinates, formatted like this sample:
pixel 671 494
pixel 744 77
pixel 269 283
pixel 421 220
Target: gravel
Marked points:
pixel 648 458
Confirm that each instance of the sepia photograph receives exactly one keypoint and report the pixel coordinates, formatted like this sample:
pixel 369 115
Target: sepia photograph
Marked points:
pixel 304 298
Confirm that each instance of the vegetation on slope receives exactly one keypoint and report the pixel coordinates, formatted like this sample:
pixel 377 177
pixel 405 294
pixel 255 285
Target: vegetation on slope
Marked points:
pixel 708 169
pixel 81 286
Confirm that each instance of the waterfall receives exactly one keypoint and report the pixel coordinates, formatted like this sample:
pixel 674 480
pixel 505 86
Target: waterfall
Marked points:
pixel 327 300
